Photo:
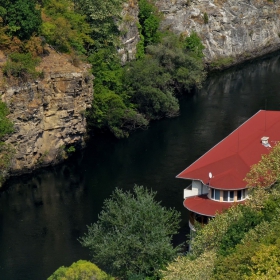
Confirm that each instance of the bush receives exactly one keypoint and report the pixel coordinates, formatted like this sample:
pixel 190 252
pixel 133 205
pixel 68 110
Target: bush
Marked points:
pixel 81 269
pixel 64 28
pixel 21 65
pixel 6 126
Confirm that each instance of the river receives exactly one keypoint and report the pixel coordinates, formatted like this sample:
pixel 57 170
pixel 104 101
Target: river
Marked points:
pixel 42 214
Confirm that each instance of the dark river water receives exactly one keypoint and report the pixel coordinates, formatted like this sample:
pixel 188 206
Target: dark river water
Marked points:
pixel 43 214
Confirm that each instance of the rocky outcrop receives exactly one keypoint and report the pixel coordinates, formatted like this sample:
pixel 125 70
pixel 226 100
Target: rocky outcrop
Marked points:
pixel 129 31
pixel 48 114
pixel 240 29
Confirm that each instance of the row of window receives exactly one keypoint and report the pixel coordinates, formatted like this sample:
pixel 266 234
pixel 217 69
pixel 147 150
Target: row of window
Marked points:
pixel 228 195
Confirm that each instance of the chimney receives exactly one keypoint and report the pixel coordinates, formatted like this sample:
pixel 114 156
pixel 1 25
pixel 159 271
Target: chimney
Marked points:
pixel 264 141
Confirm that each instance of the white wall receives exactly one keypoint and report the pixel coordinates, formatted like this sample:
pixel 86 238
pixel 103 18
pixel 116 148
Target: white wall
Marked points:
pixel 197 188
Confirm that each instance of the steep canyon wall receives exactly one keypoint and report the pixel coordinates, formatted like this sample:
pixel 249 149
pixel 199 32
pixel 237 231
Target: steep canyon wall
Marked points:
pixel 240 29
pixel 48 114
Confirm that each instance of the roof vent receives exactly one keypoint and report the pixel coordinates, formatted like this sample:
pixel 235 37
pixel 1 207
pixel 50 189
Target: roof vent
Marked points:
pixel 264 141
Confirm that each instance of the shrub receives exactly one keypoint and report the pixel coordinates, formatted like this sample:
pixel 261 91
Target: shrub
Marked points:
pixel 81 269
pixel 205 18
pixel 21 65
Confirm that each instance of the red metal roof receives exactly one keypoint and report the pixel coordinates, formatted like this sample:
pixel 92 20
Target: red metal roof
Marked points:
pixel 230 160
pixel 203 205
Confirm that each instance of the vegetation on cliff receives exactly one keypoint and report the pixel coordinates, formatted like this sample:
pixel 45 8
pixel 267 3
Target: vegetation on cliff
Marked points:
pixel 126 97
pixel 6 150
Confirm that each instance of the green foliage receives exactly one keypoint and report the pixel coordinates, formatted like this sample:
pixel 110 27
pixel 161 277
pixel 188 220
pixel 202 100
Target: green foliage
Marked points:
pixel 6 126
pixel 149 87
pixel 221 63
pixel 22 17
pixel 64 28
pixel 149 19
pixel 209 237
pixel 21 65
pixel 205 18
pixel 133 234
pixel 111 109
pixel 193 44
pixel 266 171
pixel 237 229
pixel 110 112
pixel 185 268
pixel 181 59
pixel 71 150
pixel 80 270
pixel 102 17
pixel 6 150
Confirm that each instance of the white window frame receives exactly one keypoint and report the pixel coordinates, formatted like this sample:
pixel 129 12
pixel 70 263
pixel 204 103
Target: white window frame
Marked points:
pixel 229 199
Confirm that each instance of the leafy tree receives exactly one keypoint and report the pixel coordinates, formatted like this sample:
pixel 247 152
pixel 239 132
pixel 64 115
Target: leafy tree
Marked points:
pixel 184 65
pixel 266 171
pixel 149 19
pixel 193 43
pixel 133 234
pixel 185 268
pixel 237 229
pixel 111 109
pixel 64 28
pixel 80 270
pixel 22 17
pixel 149 86
pixel 102 17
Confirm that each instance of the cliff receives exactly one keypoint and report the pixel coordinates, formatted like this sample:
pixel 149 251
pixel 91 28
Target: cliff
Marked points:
pixel 48 114
pixel 228 28
pixel 129 31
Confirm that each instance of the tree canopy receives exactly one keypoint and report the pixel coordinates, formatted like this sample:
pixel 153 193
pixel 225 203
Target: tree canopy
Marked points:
pixel 81 269
pixel 133 234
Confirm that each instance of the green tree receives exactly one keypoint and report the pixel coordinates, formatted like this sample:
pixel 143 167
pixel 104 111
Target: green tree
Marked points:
pixel 266 171
pixel 185 268
pixel 64 28
pixel 133 234
pixel 237 229
pixel 149 88
pixel 22 17
pixel 149 19
pixel 111 109
pixel 102 17
pixel 81 269
pixel 184 64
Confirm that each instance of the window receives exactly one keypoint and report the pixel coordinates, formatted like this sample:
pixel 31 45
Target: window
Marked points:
pixel 225 195
pixel 241 194
pixel 231 196
pixel 215 194
pixel 228 195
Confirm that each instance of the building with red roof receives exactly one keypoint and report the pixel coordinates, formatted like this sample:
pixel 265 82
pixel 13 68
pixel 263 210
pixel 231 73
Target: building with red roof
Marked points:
pixel 218 176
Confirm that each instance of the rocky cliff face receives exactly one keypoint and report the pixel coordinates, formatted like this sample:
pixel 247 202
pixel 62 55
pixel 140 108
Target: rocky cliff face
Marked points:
pixel 48 114
pixel 239 29
pixel 128 27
